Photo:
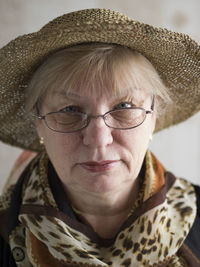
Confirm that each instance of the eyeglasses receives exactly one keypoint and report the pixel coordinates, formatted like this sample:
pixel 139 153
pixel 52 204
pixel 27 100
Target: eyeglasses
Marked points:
pixel 72 121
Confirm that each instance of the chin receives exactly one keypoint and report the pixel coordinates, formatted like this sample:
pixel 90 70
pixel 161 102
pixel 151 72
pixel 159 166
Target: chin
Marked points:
pixel 103 184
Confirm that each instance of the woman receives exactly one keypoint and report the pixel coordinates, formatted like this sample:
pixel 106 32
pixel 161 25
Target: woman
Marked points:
pixel 87 92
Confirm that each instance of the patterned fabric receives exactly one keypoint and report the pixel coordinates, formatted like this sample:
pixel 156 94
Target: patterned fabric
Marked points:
pixel 151 236
pixel 19 167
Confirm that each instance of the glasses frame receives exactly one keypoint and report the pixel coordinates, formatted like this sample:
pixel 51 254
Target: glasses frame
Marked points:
pixel 89 117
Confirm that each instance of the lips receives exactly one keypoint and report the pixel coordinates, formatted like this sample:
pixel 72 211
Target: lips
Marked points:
pixel 99 166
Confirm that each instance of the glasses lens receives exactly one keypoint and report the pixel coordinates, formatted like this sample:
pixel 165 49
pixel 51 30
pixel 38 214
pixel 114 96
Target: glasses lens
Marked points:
pixel 65 121
pixel 125 118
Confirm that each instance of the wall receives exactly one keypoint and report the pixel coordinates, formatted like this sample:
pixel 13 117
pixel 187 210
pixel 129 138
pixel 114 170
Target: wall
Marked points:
pixel 178 147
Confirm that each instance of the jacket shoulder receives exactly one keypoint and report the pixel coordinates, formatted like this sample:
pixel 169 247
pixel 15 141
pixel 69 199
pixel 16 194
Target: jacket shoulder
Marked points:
pixel 5 202
pixel 191 247
pixel 5 199
pixel 197 190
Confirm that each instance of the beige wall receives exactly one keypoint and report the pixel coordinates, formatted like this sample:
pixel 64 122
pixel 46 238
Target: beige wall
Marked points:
pixel 178 147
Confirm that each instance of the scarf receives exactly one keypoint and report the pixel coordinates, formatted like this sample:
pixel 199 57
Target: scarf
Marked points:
pixel 47 234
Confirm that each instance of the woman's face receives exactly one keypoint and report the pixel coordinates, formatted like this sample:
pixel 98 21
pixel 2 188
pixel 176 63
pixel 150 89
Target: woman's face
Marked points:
pixel 97 159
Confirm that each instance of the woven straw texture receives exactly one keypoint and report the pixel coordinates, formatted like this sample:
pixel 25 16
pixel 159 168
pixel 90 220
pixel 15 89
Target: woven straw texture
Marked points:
pixel 175 56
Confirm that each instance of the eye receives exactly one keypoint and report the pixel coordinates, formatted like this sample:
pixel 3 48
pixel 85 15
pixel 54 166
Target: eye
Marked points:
pixel 123 105
pixel 71 109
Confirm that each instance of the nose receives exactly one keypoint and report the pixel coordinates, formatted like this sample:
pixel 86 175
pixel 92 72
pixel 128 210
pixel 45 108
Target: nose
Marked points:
pixel 97 134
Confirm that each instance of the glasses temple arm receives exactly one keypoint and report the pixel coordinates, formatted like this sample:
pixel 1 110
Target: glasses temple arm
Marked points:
pixel 40 117
pixel 153 103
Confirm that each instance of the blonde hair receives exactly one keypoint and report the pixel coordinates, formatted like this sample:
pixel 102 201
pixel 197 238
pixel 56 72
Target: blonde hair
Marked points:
pixel 96 65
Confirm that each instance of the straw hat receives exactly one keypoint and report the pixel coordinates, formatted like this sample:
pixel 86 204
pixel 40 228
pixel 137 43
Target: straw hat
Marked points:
pixel 175 56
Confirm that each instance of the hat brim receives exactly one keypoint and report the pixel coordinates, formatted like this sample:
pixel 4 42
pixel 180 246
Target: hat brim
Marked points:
pixel 175 56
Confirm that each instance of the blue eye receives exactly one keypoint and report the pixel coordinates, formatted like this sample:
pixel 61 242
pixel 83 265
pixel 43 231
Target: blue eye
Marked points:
pixel 123 105
pixel 71 109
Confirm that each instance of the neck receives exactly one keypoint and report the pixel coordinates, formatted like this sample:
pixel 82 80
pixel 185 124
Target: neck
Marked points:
pixel 105 214
pixel 105 226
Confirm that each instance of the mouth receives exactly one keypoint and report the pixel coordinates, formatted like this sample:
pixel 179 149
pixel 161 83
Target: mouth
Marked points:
pixel 99 166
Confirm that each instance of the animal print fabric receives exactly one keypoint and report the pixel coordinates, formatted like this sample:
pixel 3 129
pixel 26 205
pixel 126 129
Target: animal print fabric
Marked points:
pixel 152 235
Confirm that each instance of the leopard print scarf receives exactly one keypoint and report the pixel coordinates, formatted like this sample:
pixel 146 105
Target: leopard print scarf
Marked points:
pixel 151 236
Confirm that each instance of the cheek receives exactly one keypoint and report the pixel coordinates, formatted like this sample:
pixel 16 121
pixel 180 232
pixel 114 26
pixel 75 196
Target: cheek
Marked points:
pixel 135 142
pixel 137 145
pixel 136 138
pixel 65 140
pixel 59 145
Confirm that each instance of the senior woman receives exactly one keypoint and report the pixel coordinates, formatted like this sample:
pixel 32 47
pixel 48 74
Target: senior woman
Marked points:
pixel 86 93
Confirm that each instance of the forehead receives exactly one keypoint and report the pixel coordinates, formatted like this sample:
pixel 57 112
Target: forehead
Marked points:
pixel 104 87
pixel 125 79
pixel 99 93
